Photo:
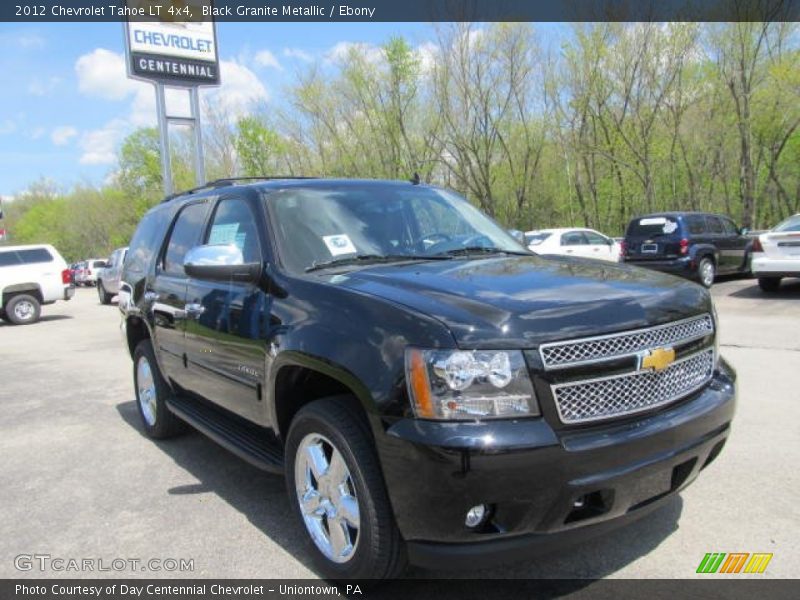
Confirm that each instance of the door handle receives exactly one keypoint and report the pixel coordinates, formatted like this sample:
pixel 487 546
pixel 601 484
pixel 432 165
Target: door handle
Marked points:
pixel 150 297
pixel 194 309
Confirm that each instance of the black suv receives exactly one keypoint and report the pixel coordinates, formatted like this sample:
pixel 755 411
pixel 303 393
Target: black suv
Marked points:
pixel 695 245
pixel 431 390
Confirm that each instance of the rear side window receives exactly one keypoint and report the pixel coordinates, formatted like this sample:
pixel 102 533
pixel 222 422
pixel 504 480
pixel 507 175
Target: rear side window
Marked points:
pixel 9 259
pixel 715 225
pixel 652 226
pixel 184 236
pixel 34 255
pixel 696 224
pixel 98 264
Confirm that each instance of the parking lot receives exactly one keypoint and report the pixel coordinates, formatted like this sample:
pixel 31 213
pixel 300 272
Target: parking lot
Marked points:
pixel 79 480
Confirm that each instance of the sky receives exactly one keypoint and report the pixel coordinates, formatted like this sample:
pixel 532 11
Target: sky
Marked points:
pixel 66 102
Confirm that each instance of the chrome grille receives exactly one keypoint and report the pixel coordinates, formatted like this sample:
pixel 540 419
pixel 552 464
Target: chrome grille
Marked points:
pixel 559 355
pixel 619 395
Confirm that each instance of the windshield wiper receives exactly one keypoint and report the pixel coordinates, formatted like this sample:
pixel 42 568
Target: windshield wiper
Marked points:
pixel 371 258
pixel 480 250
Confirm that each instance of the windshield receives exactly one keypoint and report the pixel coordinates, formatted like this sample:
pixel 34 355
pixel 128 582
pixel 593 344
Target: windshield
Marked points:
pixel 790 224
pixel 341 224
pixel 533 239
pixel 649 227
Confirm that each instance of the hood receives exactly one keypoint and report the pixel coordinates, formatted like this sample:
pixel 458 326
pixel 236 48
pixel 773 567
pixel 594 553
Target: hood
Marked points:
pixel 521 301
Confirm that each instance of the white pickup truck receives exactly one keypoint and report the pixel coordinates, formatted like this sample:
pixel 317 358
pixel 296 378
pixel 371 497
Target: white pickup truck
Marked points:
pixel 31 276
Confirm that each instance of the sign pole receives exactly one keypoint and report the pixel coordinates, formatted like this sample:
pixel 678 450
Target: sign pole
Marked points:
pixel 163 134
pixel 199 159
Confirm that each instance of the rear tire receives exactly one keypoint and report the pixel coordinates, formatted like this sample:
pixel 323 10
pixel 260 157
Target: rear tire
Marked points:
pixel 152 392
pixel 350 477
pixel 23 309
pixel 105 298
pixel 769 284
pixel 706 271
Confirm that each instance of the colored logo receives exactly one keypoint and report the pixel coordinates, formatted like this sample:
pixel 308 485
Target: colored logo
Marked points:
pixel 734 562
pixel 657 359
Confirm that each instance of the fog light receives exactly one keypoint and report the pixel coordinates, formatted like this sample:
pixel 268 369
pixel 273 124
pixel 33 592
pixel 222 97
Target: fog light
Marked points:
pixel 476 515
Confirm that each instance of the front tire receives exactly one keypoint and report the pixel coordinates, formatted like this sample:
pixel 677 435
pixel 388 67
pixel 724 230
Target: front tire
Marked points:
pixel 23 309
pixel 152 392
pixel 338 494
pixel 769 284
pixel 706 271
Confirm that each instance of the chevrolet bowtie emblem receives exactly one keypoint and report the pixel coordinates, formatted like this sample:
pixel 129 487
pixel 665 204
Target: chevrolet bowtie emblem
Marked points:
pixel 657 359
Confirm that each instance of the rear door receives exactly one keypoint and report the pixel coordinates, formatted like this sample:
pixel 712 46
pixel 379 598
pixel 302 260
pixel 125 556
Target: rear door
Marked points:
pixel 227 321
pixel 736 244
pixel 721 240
pixel 165 297
pixel 653 238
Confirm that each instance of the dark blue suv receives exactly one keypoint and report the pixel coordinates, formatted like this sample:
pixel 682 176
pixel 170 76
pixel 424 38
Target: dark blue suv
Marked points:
pixel 695 245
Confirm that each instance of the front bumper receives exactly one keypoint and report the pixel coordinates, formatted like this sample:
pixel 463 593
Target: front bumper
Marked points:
pixel 775 267
pixel 532 474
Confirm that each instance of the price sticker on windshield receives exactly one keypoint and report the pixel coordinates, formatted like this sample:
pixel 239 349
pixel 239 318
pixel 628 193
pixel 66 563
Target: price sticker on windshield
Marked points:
pixel 339 244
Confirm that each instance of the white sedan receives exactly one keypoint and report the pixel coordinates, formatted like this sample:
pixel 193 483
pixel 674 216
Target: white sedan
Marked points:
pixel 586 243
pixel 776 254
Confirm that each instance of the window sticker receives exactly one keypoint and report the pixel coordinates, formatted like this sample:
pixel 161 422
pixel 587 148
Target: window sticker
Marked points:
pixel 224 234
pixel 339 244
pixel 670 226
pixel 653 221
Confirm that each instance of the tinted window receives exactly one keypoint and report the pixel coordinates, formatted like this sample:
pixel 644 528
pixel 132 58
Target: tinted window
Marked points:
pixel 35 255
pixel 715 225
pixel 697 224
pixel 574 238
pixel 730 228
pixel 790 224
pixel 8 259
pixel 146 240
pixel 184 236
pixel 98 264
pixel 595 239
pixel 234 223
pixel 648 227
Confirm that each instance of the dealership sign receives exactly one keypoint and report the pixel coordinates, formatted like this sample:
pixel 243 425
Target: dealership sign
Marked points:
pixel 163 48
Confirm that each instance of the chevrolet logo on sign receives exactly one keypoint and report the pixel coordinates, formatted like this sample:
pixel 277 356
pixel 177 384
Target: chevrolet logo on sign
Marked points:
pixel 657 359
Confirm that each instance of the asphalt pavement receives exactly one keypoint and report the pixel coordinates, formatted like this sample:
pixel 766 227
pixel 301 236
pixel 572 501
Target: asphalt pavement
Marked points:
pixel 78 480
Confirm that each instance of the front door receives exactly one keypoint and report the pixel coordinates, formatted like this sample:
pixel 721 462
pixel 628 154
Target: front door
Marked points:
pixel 226 321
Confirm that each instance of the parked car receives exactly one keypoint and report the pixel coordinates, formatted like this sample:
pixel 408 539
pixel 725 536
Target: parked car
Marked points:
pixel 87 274
pixel 432 391
pixel 776 254
pixel 73 271
pixel 691 244
pixel 31 276
pixel 586 243
pixel 108 278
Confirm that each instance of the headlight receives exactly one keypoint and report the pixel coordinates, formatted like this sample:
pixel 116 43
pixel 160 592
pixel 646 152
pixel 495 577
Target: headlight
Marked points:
pixel 460 385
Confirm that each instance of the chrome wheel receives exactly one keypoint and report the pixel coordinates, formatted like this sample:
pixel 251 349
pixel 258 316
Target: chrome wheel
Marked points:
pixel 707 272
pixel 146 390
pixel 327 498
pixel 24 310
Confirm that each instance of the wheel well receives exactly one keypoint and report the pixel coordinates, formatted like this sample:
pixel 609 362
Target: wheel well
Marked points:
pixel 21 288
pixel 136 331
pixel 297 386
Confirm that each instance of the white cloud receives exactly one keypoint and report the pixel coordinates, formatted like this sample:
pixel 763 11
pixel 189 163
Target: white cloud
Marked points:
pixel 100 146
pixel 265 58
pixel 39 87
pixel 62 135
pixel 298 54
pixel 23 40
pixel 7 126
pixel 241 89
pixel 426 53
pixel 340 51
pixel 103 74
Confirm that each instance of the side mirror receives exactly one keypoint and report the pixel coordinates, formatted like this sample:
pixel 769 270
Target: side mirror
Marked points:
pixel 220 263
pixel 744 231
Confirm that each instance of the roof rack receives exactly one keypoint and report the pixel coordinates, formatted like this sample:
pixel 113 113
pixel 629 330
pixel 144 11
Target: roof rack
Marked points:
pixel 228 181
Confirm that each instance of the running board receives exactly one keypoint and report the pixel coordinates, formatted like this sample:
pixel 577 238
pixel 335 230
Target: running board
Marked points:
pixel 246 440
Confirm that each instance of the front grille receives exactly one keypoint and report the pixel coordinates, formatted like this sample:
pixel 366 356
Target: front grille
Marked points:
pixel 559 355
pixel 620 395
